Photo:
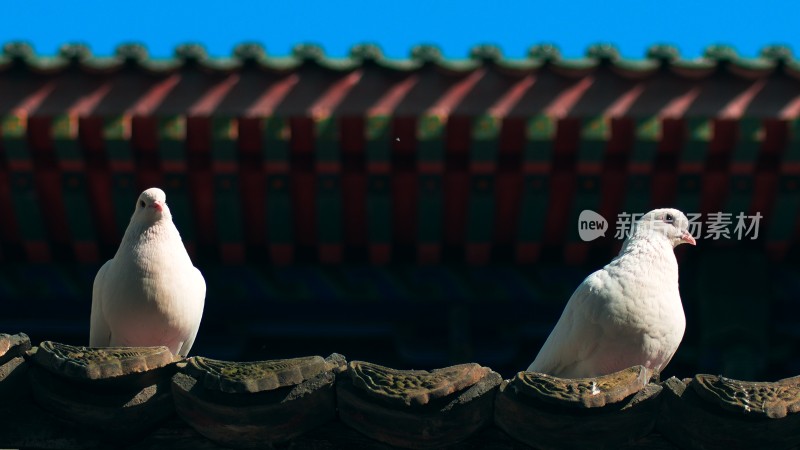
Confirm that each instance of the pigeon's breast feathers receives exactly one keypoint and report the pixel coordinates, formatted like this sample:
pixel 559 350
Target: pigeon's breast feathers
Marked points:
pixel 646 265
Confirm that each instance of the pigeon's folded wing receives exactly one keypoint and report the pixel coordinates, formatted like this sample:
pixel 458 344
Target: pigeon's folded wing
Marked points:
pixel 199 284
pixel 198 293
pixel 99 331
pixel 575 336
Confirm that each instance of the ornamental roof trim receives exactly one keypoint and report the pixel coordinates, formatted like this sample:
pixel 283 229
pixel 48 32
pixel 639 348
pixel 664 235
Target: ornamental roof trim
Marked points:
pixel 658 57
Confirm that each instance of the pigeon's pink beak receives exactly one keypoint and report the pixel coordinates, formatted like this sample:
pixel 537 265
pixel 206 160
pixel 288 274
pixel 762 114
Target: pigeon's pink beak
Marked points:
pixel 686 237
pixel 158 206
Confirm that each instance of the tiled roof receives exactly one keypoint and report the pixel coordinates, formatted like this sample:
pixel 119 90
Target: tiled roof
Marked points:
pixel 64 397
pixel 657 56
pixel 251 83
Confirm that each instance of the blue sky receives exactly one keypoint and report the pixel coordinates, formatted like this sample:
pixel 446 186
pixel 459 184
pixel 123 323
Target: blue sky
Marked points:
pixel 399 25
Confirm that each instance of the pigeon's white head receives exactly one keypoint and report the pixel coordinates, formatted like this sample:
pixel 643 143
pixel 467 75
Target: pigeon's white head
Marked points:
pixel 151 206
pixel 668 222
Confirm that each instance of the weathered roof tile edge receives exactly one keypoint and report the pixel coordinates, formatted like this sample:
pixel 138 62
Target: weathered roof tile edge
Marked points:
pixel 337 404
pixel 771 58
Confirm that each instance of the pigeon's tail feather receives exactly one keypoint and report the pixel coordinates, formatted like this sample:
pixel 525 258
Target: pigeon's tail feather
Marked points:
pixel 199 293
pixel 574 338
pixel 99 331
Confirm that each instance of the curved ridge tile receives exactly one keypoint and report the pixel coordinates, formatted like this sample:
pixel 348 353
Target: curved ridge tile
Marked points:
pixel 613 410
pixel 413 387
pixel 583 392
pixel 13 368
pixel 711 413
pixel 116 392
pixel 249 405
pixel 766 399
pixel 417 408
pixel 257 376
pixel 88 363
pixel 13 345
pixel 715 56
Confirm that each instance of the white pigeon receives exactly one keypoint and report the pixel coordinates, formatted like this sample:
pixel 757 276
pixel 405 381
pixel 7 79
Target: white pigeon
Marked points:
pixel 149 294
pixel 627 313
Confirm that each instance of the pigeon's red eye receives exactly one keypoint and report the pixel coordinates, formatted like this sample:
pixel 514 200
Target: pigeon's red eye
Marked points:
pixel 141 203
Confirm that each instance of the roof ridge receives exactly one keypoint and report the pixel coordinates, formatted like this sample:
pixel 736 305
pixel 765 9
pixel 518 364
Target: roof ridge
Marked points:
pixel 254 54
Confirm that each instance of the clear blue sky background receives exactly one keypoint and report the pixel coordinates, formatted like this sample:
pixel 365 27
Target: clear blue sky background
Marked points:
pixel 455 26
